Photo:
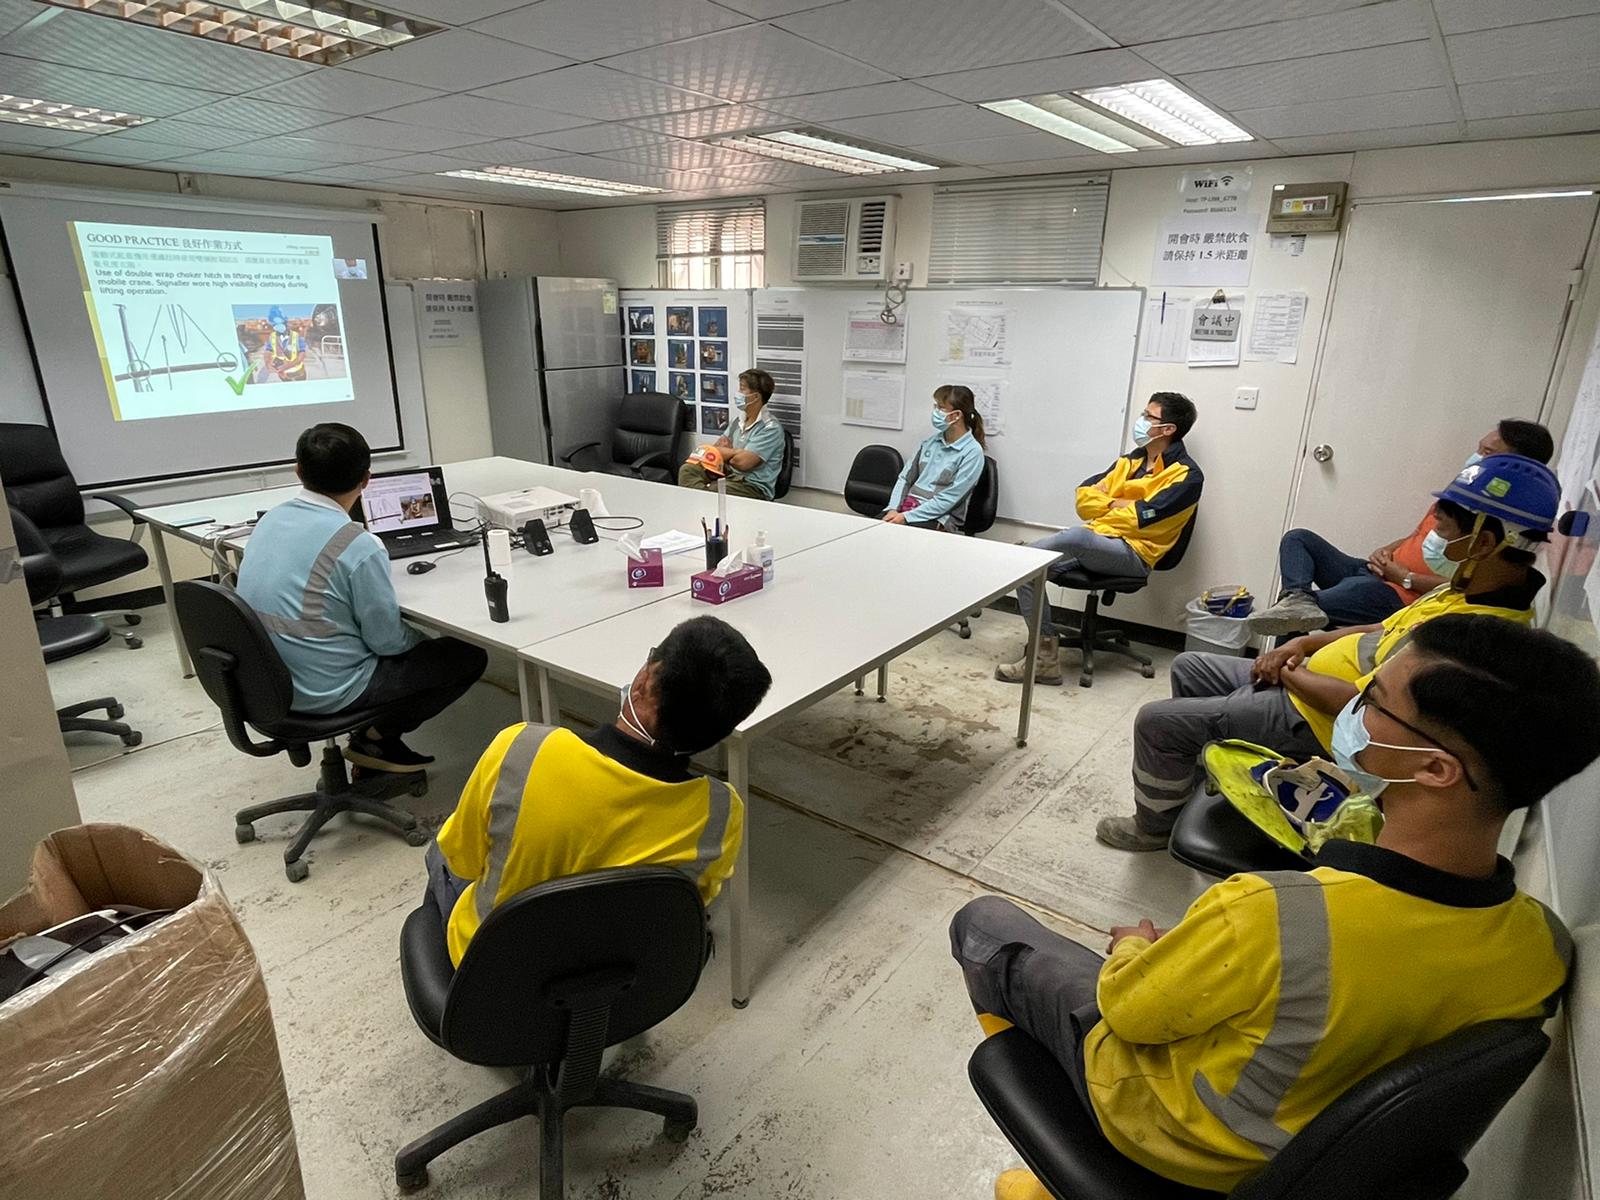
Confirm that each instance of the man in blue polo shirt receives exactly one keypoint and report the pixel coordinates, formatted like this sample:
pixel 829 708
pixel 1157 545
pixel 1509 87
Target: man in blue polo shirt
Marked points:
pixel 320 584
pixel 752 452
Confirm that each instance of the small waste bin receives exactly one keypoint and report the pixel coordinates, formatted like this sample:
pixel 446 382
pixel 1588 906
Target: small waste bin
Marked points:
pixel 1216 621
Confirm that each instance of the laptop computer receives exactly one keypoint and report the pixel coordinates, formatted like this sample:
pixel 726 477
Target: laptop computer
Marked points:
pixel 410 512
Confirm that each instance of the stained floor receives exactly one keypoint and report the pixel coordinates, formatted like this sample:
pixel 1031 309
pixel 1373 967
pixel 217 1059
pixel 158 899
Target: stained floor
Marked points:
pixel 871 824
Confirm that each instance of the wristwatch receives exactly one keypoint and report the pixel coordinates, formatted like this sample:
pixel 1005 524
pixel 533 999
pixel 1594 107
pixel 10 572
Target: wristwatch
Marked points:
pixel 1407 583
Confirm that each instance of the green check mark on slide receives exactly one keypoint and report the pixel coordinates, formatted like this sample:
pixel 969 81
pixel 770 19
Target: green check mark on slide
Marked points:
pixel 237 384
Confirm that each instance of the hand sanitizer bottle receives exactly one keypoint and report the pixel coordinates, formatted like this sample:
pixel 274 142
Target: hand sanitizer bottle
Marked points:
pixel 764 555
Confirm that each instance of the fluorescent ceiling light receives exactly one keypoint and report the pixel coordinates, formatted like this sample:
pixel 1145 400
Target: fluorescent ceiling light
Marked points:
pixel 524 177
pixel 1075 122
pixel 792 145
pixel 326 32
pixel 57 114
pixel 1167 110
pixel 1514 196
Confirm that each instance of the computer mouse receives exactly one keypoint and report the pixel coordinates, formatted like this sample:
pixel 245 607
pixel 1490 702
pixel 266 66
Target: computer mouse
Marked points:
pixel 420 567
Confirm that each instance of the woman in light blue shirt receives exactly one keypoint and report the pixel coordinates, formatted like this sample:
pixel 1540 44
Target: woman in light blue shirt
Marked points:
pixel 933 490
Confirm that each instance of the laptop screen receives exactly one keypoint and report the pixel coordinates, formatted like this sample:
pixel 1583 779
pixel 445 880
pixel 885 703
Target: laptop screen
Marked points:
pixel 402 502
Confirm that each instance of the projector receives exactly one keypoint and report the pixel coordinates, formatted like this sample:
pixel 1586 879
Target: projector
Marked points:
pixel 513 510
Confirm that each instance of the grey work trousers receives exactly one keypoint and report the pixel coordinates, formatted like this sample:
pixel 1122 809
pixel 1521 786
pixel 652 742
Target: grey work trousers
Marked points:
pixel 1080 548
pixel 1212 698
pixel 1041 982
pixel 444 885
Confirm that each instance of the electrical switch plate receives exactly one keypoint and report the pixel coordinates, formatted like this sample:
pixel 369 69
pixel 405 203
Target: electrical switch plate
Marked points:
pixel 902 272
pixel 1246 397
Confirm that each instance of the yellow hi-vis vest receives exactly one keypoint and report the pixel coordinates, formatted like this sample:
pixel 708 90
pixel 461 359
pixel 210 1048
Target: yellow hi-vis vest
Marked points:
pixel 543 803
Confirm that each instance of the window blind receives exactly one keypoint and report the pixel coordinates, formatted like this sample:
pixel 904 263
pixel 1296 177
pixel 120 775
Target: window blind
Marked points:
pixel 1018 232
pixel 695 230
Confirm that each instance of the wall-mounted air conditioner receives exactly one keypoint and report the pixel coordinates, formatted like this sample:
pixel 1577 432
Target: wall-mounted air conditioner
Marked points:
pixel 844 240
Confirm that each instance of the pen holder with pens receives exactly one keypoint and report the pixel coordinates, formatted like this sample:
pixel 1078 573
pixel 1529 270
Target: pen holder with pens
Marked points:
pixel 716 550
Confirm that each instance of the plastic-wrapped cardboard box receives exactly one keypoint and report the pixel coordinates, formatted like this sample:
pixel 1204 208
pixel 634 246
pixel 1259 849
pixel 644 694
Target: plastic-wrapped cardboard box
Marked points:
pixel 149 1071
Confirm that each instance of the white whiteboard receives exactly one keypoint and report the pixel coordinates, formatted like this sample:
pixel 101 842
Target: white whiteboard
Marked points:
pixel 1071 353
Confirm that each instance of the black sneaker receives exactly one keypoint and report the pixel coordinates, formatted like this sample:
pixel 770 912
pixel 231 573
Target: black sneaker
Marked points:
pixel 385 754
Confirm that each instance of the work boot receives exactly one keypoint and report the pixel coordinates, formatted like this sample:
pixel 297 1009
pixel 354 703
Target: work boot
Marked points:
pixel 1047 670
pixel 1019 1184
pixel 1295 612
pixel 1123 833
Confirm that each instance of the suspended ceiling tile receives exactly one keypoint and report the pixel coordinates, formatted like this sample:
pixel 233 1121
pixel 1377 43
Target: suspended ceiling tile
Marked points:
pixel 312 151
pixel 14 12
pixel 1410 66
pixel 1464 16
pixel 1522 50
pixel 83 153
pixel 749 63
pixel 487 118
pixel 341 91
pixel 100 43
pixel 680 156
pixel 455 58
pixel 1542 125
pixel 182 133
pixel 51 81
pixel 1093 69
pixel 255 117
pixel 1375 25
pixel 765 10
pixel 452 12
pixel 709 122
pixel 866 101
pixel 1019 147
pixel 1565 91
pixel 412 164
pixel 1134 21
pixel 587 139
pixel 45 139
pixel 590 29
pixel 367 172
pixel 595 92
pixel 1235 152
pixel 598 167
pixel 229 162
pixel 748 175
pixel 507 151
pixel 947 123
pixel 1394 110
pixel 370 131
pixel 1377 139
pixel 1071 165
pixel 924 37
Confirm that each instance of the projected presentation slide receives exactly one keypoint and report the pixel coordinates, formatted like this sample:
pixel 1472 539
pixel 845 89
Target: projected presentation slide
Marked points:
pixel 191 321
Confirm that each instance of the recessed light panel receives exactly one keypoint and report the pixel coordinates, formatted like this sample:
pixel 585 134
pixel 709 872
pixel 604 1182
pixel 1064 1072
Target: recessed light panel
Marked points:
pixel 527 177
pixel 57 114
pixel 1167 111
pixel 1076 122
pixel 814 150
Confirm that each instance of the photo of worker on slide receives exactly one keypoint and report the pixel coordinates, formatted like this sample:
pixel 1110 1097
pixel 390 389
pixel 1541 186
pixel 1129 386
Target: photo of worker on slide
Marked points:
pixel 290 343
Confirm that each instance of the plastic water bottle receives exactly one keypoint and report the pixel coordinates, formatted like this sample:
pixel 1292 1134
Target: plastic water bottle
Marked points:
pixel 764 555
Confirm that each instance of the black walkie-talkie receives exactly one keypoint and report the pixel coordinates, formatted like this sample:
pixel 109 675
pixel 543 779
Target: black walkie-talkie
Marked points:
pixel 494 587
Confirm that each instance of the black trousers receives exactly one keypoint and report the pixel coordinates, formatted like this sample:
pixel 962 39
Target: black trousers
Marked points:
pixel 430 677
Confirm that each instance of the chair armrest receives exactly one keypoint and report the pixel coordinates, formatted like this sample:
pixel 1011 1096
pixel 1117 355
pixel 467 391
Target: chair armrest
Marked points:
pixel 577 450
pixel 40 566
pixel 655 458
pixel 127 506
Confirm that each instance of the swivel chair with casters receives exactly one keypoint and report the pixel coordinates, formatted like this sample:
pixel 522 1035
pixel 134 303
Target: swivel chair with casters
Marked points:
pixel 641 444
pixel 66 636
pixel 1104 589
pixel 981 505
pixel 1213 837
pixel 1401 1133
pixel 785 479
pixel 551 978
pixel 246 678
pixel 870 483
pixel 39 484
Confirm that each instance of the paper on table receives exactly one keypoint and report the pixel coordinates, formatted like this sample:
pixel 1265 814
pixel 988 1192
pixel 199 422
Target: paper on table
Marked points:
pixel 1275 327
pixel 1166 327
pixel 674 541
pixel 875 397
pixel 868 339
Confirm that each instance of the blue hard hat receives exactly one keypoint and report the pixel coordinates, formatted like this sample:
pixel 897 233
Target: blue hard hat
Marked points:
pixel 1518 491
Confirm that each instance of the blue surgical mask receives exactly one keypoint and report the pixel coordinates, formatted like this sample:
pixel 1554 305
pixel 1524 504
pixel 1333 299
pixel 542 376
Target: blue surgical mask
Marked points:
pixel 1350 738
pixel 1473 460
pixel 1433 553
pixel 1141 430
pixel 630 717
pixel 940 419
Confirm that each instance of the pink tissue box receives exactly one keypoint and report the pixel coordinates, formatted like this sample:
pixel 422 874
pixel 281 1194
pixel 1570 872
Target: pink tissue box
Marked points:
pixel 649 573
pixel 718 590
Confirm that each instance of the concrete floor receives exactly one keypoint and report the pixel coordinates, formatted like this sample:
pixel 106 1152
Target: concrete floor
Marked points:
pixel 871 825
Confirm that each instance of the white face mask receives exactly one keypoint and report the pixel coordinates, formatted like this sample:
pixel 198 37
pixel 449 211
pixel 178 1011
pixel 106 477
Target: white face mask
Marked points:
pixel 1350 738
pixel 1434 547
pixel 630 716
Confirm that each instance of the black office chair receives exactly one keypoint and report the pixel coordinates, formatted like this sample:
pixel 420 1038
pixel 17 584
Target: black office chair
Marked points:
pixel 641 444
pixel 550 980
pixel 39 483
pixel 1399 1134
pixel 1104 589
pixel 981 505
pixel 1215 838
pixel 870 483
pixel 781 485
pixel 245 677
pixel 66 636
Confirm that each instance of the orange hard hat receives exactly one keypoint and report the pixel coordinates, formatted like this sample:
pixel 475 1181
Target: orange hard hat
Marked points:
pixel 711 460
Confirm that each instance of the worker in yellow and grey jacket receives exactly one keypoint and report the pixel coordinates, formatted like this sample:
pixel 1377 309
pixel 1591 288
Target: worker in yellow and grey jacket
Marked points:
pixel 1200 1052
pixel 1133 515
pixel 546 802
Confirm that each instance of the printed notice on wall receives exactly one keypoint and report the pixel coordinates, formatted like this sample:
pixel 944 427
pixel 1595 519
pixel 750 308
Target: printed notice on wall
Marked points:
pixel 975 336
pixel 449 312
pixel 1275 327
pixel 1214 190
pixel 1165 333
pixel 989 398
pixel 1204 251
pixel 780 352
pixel 875 396
pixel 868 339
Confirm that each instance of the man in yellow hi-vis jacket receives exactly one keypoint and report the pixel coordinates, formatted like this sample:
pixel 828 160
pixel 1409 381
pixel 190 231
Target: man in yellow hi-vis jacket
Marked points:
pixel 546 802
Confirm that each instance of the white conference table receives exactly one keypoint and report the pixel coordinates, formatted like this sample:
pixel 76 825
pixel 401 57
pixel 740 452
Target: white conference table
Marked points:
pixel 834 612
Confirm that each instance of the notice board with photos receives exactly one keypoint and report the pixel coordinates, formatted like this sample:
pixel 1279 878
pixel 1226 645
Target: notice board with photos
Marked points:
pixel 691 344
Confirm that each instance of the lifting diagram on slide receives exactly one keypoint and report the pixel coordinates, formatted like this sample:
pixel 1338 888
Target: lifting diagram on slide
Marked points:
pixel 181 326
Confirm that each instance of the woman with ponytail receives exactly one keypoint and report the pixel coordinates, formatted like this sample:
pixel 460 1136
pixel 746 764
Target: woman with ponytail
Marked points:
pixel 933 490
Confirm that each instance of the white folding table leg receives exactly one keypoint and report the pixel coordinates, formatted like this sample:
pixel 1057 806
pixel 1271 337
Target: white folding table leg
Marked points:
pixel 883 683
pixel 159 545
pixel 1026 708
pixel 525 687
pixel 547 699
pixel 738 887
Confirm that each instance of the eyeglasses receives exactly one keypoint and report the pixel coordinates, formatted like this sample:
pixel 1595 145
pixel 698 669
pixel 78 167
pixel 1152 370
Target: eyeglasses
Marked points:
pixel 1365 700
